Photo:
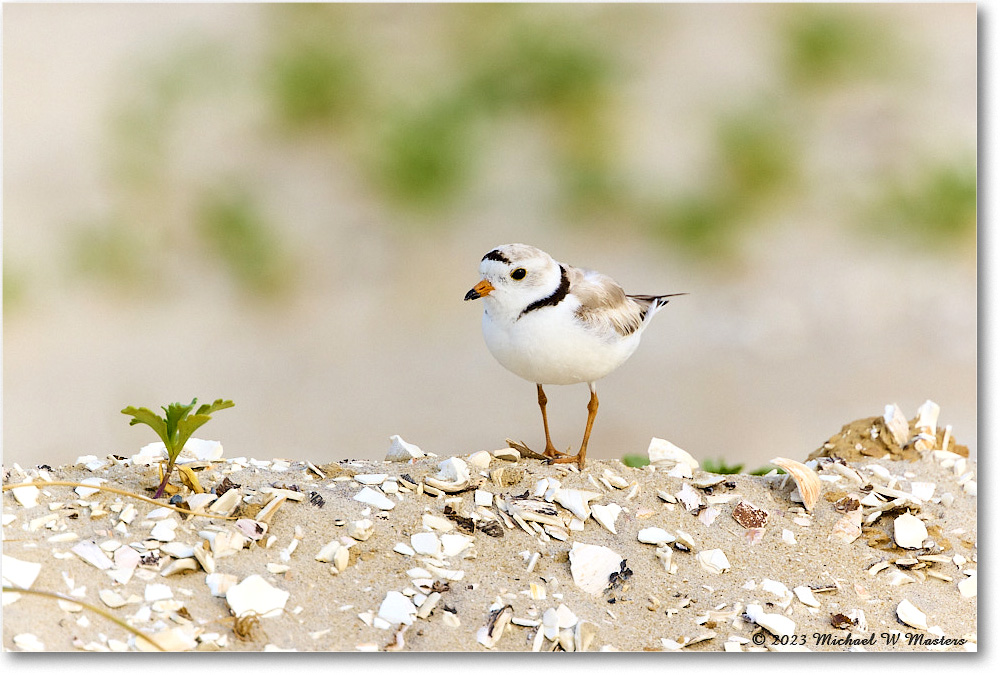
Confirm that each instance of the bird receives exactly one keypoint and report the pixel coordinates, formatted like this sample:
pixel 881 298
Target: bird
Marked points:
pixel 554 324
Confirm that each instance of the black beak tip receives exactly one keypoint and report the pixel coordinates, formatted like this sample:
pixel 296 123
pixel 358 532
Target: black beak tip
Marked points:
pixel 472 295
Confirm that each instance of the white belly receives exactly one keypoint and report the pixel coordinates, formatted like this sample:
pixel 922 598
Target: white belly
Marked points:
pixel 547 351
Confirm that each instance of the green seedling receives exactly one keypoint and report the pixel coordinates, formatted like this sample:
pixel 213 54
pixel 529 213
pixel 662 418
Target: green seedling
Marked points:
pixel 176 428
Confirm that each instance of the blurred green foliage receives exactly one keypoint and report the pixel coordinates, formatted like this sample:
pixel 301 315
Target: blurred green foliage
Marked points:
pixel 112 251
pixel 418 117
pixel 825 45
pixel 311 85
pixel 234 227
pixel 936 204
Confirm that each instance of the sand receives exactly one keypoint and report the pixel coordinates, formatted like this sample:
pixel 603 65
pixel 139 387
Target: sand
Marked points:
pixel 644 607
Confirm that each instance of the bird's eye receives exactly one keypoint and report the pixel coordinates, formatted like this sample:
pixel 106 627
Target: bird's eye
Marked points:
pixel 518 274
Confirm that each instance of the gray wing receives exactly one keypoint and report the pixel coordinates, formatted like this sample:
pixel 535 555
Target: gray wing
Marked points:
pixel 603 303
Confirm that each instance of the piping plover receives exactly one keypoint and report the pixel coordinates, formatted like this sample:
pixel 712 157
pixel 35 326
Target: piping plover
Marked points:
pixel 551 323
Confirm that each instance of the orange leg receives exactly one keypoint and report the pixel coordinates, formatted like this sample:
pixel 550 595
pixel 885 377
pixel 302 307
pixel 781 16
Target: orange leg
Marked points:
pixel 580 458
pixel 550 450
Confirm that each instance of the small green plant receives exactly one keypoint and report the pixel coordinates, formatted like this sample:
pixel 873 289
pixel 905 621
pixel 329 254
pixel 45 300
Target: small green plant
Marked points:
pixel 176 428
pixel 635 461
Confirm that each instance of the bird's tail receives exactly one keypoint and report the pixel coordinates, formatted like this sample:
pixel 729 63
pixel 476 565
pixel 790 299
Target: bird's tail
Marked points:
pixel 653 303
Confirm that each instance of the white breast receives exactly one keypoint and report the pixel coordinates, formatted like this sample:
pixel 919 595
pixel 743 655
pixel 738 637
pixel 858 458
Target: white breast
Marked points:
pixel 550 346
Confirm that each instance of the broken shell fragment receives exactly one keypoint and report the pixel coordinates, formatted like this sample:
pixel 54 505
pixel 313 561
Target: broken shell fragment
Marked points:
pixel 592 566
pixel 777 624
pixel 496 623
pixel 910 615
pixel 606 515
pixel 361 530
pixel 655 535
pixel 909 531
pixel 401 451
pixel 254 594
pixel 806 480
pixel 749 516
pixel 373 498
pixel 664 453
pixel 714 560
pixel 397 609
pixel 575 501
pixel 896 422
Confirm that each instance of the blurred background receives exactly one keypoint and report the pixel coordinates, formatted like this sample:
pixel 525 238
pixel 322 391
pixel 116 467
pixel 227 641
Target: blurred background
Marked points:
pixel 285 204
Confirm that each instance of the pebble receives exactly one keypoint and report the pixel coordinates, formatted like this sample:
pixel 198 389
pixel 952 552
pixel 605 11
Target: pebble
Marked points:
pixel 909 531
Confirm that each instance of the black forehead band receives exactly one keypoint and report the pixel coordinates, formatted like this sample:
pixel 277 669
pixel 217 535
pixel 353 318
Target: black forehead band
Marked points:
pixel 495 254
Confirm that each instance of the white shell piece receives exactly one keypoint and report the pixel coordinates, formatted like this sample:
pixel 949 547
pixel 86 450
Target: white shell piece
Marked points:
pixel 401 451
pixel 177 549
pixel 432 522
pixel 453 544
pixel 910 615
pixel 662 452
pixel 655 535
pixel 480 460
pixel 397 609
pixel 164 530
pixel 88 491
pixel 909 531
pixel 374 498
pixel 28 642
pixel 895 420
pixel 254 594
pixel 371 478
pixel 806 596
pixel 484 498
pixel 927 416
pixel 362 530
pixel 606 515
pixel 26 495
pixel 689 497
pixel 336 553
pixel 592 566
pixel 92 553
pixel 157 592
pixel 219 584
pixel 180 565
pixel 922 491
pixel 454 470
pixel 775 587
pixel 91 462
pixel 575 501
pixel 777 624
pixel 426 543
pixel 714 560
pixel 967 587
pixel 111 598
pixel 19 573
pixel 227 503
pixel 497 621
pixel 403 549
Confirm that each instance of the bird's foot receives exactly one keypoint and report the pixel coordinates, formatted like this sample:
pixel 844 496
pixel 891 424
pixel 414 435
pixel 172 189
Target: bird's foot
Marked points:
pixel 525 450
pixel 567 459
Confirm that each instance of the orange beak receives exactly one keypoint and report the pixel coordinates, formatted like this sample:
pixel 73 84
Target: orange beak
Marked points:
pixel 480 290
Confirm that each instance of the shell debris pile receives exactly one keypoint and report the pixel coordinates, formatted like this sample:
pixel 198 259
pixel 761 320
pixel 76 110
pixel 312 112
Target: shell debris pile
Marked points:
pixel 491 551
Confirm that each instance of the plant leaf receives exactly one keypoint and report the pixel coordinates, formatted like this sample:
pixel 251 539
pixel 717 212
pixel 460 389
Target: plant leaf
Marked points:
pixel 186 427
pixel 147 416
pixel 175 413
pixel 215 406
